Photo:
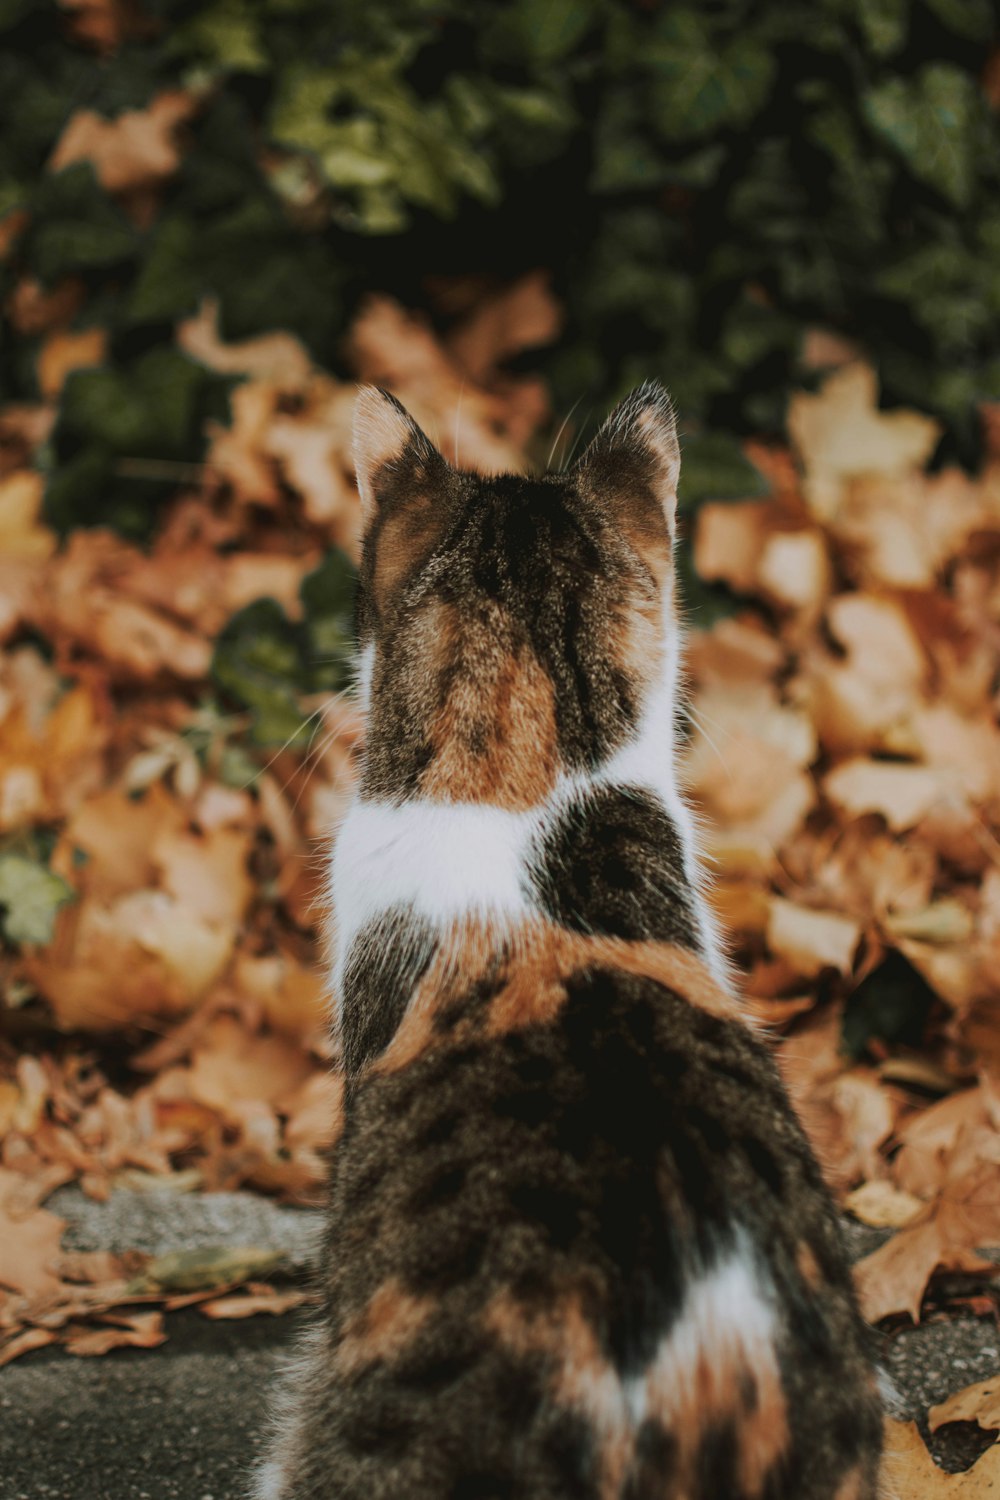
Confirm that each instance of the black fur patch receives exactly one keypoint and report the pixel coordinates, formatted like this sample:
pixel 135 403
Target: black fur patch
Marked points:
pixel 612 865
pixel 645 1160
pixel 386 962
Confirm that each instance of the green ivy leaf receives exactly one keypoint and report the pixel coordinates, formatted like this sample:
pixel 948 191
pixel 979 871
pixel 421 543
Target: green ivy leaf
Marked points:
pixel 714 467
pixel 884 23
pixel 700 86
pixel 267 663
pixel 225 34
pixel 30 895
pixel 122 433
pixel 258 664
pixel 327 596
pixel 975 19
pixel 76 225
pixel 929 121
pixel 550 28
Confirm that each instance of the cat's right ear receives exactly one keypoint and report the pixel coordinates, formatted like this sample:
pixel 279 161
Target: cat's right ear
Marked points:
pixel 393 459
pixel 635 457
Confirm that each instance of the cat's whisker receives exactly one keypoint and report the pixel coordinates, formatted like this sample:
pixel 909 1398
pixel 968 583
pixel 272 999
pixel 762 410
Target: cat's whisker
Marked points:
pixel 579 434
pixel 314 760
pixel 458 419
pixel 562 428
pixel 262 770
pixel 694 717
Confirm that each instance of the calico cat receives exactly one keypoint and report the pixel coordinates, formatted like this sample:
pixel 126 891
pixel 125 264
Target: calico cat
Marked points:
pixel 577 1246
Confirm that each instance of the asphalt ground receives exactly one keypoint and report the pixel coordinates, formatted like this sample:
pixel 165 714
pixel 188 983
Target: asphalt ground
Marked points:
pixel 187 1420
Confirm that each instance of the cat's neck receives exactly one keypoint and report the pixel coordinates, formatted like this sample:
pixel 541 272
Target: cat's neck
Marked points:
pixel 614 851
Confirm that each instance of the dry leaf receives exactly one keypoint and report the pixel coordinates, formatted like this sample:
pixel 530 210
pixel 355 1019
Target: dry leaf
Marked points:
pixel 913 1474
pixel 883 1206
pixel 902 794
pixel 979 1403
pixel 275 357
pixel 137 149
pixel 893 1278
pixel 137 1330
pixel 64 352
pixel 523 316
pixel 811 940
pixel 840 434
pixel 230 1067
pixel 248 1304
pixel 29 1243
pixel 23 1343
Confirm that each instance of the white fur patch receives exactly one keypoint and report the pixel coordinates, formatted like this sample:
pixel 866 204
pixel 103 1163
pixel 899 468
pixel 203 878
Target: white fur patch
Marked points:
pixel 449 860
pixel 727 1317
pixel 444 860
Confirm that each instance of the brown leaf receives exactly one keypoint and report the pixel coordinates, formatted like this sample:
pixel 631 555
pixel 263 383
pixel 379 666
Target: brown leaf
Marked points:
pixel 878 1203
pixel 29 1243
pixel 275 357
pixel 135 150
pixel 230 1067
pixel 137 1330
pixel 24 1342
pixel 811 940
pixel 914 1475
pixel 840 434
pixel 247 1305
pixel 979 1403
pixel 523 316
pixel 902 794
pixel 893 1278
pixel 64 352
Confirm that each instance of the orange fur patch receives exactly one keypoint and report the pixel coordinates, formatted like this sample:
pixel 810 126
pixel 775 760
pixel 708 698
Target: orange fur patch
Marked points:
pixel 807 1265
pixel 538 961
pixel 495 736
pixel 852 1487
pixel 582 1378
pixel 382 1329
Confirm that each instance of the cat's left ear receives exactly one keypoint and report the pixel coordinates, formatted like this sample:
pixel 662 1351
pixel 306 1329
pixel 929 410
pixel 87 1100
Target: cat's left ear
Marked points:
pixel 392 456
pixel 636 454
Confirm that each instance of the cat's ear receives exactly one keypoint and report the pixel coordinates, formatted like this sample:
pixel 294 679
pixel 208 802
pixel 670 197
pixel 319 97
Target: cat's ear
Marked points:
pixel 392 456
pixel 637 450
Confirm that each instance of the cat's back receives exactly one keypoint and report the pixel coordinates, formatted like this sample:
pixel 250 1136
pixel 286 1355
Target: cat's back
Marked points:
pixel 574 1215
pixel 578 1247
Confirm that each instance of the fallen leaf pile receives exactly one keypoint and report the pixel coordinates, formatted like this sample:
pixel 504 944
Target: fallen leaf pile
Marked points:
pixel 161 878
pixel 846 754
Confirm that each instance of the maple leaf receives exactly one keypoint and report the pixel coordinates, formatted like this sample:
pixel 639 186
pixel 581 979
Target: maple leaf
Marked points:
pixel 136 150
pixel 840 434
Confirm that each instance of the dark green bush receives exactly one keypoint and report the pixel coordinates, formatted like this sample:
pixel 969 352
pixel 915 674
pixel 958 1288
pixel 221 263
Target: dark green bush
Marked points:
pixel 705 179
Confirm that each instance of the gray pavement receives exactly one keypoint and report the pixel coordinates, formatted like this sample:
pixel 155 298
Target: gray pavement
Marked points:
pixel 186 1421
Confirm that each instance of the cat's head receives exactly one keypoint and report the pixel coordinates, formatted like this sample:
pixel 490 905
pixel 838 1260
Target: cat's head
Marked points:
pixel 511 628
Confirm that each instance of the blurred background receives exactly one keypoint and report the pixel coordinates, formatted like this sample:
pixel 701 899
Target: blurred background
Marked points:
pixel 216 216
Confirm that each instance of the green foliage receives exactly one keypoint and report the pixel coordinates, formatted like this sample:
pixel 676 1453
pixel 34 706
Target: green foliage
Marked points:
pixel 123 430
pixel 267 664
pixel 30 897
pixel 705 180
